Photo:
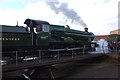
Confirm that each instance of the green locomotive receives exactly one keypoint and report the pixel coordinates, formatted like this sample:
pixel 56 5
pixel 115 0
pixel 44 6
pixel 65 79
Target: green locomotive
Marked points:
pixel 48 36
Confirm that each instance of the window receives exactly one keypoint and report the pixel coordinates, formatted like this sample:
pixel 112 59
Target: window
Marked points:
pixel 45 28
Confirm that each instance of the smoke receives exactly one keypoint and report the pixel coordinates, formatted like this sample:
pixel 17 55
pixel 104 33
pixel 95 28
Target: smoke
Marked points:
pixel 70 14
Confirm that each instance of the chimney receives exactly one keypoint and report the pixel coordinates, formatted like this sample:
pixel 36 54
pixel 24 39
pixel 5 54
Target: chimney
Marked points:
pixel 86 29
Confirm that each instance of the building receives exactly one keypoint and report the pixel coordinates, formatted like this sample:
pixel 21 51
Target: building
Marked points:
pixel 115 32
pixel 105 37
pixel 98 37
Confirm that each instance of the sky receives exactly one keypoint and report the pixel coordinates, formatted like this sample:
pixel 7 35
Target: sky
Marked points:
pixel 100 16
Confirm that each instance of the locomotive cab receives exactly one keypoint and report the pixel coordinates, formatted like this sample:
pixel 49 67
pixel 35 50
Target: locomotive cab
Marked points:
pixel 41 32
pixel 42 37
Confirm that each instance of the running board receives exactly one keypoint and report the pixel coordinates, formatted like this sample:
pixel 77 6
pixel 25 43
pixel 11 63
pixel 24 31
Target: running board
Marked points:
pixel 65 49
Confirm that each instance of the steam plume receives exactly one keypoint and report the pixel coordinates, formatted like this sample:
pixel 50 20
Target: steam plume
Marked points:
pixel 69 13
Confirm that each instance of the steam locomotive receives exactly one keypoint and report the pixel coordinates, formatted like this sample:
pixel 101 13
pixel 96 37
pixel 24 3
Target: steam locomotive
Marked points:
pixel 15 38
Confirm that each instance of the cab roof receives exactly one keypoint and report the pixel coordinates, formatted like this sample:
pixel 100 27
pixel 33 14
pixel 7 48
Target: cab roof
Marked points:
pixel 35 22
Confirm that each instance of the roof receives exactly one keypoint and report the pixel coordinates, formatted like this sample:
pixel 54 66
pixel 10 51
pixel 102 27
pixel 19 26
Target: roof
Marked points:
pixel 114 35
pixel 6 28
pixel 35 22
pixel 115 31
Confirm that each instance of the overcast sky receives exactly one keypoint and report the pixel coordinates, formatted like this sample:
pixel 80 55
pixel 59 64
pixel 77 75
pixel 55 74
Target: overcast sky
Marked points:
pixel 100 16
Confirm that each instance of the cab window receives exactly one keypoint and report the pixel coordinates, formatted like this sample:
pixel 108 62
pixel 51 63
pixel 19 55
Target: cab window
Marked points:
pixel 39 27
pixel 45 28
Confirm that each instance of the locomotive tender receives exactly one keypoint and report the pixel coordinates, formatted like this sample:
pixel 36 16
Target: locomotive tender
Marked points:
pixel 50 36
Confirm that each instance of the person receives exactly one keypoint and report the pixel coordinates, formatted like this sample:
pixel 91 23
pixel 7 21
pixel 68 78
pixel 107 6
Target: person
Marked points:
pixel 118 46
pixel 31 27
pixel 114 46
pixel 33 34
pixel 111 45
pixel 103 47
pixel 39 27
pixel 108 45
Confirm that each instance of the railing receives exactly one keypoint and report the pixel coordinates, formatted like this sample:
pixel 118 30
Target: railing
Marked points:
pixel 37 57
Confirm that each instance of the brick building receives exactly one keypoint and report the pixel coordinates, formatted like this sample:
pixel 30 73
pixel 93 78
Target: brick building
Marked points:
pixel 98 37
